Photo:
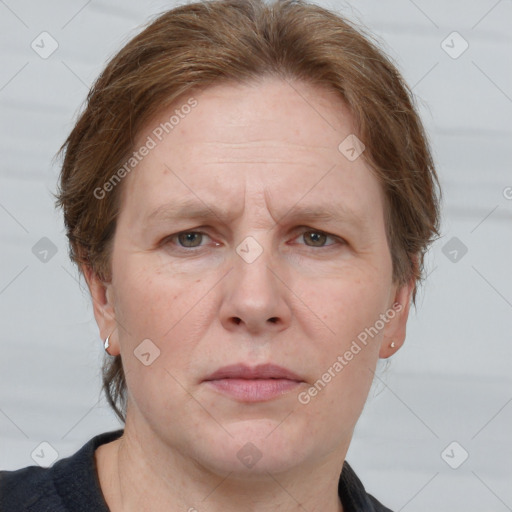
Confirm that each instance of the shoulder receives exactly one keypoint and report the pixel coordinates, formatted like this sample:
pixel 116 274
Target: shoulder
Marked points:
pixel 28 488
pixel 353 494
pixel 70 484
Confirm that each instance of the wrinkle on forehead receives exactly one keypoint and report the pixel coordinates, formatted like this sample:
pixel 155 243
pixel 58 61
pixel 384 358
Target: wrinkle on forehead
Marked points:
pixel 267 146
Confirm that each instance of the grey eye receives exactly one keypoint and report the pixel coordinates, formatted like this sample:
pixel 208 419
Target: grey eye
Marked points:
pixel 190 239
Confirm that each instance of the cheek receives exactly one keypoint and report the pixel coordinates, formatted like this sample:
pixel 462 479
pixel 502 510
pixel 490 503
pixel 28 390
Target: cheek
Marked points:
pixel 148 303
pixel 171 311
pixel 146 307
pixel 346 357
pixel 154 307
pixel 348 304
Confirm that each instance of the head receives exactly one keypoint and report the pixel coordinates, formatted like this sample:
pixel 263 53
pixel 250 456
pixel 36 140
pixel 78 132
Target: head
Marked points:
pixel 192 187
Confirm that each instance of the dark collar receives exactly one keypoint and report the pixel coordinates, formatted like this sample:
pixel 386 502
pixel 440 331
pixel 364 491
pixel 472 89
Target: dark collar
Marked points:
pixel 73 484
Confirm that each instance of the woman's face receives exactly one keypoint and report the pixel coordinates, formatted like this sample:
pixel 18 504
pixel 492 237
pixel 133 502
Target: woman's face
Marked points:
pixel 282 260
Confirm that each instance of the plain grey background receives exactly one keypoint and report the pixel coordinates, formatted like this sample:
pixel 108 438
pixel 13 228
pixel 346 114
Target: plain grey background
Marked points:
pixel 451 383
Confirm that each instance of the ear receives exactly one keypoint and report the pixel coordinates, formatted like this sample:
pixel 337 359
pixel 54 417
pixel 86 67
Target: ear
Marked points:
pixel 395 329
pixel 103 307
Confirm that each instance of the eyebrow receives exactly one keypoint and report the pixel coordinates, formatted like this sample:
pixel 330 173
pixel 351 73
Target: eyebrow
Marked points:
pixel 196 210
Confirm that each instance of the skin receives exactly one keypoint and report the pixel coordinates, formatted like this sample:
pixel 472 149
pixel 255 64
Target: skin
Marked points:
pixel 258 153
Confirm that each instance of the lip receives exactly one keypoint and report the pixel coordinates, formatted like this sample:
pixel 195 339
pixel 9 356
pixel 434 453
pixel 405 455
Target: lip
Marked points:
pixel 262 371
pixel 253 384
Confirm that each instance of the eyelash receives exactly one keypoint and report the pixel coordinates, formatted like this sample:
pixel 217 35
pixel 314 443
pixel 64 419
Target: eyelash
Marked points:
pixel 337 240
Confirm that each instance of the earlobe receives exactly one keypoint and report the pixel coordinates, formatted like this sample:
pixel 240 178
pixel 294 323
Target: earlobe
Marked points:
pixel 395 330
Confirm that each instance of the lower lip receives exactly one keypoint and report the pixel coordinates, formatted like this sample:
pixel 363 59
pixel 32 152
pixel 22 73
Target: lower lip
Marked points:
pixel 256 390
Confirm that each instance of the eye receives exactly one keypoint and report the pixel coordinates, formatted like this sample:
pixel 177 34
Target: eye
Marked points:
pixel 320 239
pixel 190 239
pixel 195 239
pixel 316 238
pixel 187 239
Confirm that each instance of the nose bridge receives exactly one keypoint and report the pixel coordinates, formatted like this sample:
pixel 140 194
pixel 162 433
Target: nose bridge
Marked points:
pixel 253 253
pixel 252 263
pixel 254 297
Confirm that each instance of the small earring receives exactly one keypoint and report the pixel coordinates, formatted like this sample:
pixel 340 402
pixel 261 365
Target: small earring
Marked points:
pixel 106 345
pixel 392 344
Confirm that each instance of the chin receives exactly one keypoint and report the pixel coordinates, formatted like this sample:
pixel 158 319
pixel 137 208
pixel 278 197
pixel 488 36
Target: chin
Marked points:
pixel 255 448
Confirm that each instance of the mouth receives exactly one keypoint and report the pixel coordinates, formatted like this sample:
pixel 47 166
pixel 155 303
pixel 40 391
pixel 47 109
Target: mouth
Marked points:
pixel 253 384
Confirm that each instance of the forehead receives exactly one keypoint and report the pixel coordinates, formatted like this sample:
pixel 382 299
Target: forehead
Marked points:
pixel 275 138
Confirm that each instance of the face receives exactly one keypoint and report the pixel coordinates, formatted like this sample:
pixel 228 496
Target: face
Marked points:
pixel 246 238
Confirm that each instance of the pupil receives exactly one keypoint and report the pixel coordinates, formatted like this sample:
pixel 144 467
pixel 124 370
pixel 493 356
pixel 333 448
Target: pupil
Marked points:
pixel 188 239
pixel 316 237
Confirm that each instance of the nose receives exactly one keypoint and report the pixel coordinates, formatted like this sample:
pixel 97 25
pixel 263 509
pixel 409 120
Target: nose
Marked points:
pixel 255 296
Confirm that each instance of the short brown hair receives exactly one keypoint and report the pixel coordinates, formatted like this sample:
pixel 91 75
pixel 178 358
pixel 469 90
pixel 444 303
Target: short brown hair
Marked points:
pixel 209 42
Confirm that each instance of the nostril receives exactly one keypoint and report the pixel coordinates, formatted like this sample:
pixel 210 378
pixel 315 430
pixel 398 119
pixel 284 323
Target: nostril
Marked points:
pixel 273 319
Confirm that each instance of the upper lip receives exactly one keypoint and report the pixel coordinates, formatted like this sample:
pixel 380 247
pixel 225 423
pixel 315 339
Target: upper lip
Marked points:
pixel 262 371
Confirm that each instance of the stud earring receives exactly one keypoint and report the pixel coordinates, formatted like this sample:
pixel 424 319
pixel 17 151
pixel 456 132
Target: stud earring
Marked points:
pixel 392 344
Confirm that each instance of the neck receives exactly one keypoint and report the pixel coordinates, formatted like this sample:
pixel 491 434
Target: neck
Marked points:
pixel 135 475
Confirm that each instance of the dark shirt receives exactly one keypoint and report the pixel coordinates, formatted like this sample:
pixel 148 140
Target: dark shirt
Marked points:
pixel 72 485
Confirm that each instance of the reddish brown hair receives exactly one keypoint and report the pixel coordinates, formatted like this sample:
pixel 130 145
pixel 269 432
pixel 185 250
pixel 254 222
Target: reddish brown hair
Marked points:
pixel 205 43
